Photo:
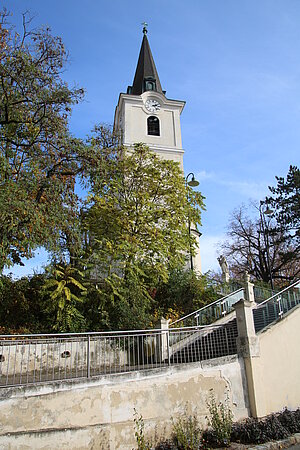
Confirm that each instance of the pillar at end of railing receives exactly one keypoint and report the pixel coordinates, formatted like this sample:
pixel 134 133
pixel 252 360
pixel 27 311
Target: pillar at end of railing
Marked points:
pixel 248 348
pixel 164 341
pixel 247 341
pixel 249 288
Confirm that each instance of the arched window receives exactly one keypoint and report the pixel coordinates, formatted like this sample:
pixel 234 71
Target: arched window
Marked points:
pixel 153 126
pixel 149 84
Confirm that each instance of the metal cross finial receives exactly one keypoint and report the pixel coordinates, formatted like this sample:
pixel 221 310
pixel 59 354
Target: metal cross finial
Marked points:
pixel 145 29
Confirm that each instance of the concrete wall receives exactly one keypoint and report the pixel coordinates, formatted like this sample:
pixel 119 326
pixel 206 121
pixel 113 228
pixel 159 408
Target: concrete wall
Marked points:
pixel 271 360
pixel 99 414
pixel 277 370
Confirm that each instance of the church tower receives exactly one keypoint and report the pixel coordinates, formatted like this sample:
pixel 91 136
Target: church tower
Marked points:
pixel 144 114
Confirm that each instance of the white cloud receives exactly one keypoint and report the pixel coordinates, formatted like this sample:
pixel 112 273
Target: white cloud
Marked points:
pixel 250 189
pixel 203 175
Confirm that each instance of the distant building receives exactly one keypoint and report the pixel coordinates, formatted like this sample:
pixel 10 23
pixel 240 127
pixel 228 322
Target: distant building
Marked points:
pixel 145 114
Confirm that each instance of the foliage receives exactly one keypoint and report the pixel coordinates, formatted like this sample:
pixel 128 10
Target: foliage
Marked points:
pixel 286 201
pixel 139 432
pixel 96 310
pixel 184 292
pixel 260 247
pixel 39 159
pixel 187 433
pixel 220 420
pixel 254 431
pixel 290 420
pixel 23 305
pixel 136 225
pixel 65 292
pixel 27 305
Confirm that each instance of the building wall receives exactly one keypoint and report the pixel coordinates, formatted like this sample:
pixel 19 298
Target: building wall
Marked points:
pixel 98 414
pixel 277 370
pixel 131 118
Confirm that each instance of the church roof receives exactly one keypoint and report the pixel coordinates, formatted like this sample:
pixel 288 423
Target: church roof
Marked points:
pixel 146 77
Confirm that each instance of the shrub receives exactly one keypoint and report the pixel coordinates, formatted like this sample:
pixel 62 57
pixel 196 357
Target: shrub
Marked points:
pixel 274 429
pixel 254 431
pixel 290 420
pixel 249 431
pixel 220 420
pixel 187 432
pixel 139 432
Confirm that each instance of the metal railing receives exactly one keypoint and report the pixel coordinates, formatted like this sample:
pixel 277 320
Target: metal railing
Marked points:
pixel 262 293
pixel 275 307
pixel 202 343
pixel 224 288
pixel 31 359
pixel 212 312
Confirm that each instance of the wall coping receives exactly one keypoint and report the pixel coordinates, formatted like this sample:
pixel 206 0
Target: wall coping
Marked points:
pixel 46 388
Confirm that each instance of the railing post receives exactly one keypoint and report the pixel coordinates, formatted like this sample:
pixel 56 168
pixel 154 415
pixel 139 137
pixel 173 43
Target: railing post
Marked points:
pixel 88 365
pixel 249 349
pixel 164 341
pixel 168 347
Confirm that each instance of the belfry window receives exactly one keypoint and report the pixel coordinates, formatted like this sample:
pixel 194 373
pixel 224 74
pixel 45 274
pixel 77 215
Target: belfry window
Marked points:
pixel 153 126
pixel 149 84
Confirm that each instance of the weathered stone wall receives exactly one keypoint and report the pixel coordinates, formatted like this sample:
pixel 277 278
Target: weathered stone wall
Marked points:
pixel 98 414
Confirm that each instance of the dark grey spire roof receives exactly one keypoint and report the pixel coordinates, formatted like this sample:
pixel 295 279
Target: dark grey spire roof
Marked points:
pixel 145 71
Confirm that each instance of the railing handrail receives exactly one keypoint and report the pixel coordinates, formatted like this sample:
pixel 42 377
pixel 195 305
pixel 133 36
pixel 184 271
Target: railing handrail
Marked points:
pixel 276 295
pixel 207 306
pixel 105 333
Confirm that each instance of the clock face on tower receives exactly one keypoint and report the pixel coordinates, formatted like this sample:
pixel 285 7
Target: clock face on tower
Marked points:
pixel 152 105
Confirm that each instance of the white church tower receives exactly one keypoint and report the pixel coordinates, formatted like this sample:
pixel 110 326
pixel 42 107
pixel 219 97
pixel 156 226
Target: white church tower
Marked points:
pixel 145 114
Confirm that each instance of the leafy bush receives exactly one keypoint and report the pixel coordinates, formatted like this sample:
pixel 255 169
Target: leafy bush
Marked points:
pixel 220 420
pixel 23 305
pixel 187 434
pixel 184 293
pixel 290 420
pixel 249 431
pixel 139 432
pixel 274 427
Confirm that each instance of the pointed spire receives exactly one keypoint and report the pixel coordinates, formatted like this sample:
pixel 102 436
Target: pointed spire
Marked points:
pixel 146 76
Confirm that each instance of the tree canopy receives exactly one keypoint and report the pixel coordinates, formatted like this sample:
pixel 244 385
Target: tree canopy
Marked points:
pixel 137 222
pixel 39 159
pixel 133 231
pixel 285 201
pixel 268 244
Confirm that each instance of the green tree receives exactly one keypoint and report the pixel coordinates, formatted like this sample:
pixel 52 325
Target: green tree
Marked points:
pixel 137 225
pixel 260 246
pixel 66 291
pixel 285 202
pixel 185 292
pixel 24 305
pixel 39 159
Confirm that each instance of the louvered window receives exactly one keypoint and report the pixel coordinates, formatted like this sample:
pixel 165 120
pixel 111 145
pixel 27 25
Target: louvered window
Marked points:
pixel 153 126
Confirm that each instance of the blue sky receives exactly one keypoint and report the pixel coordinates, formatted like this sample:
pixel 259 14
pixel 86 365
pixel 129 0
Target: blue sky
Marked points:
pixel 236 63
